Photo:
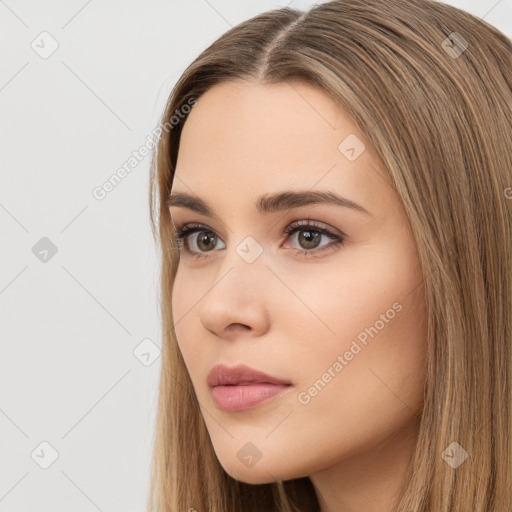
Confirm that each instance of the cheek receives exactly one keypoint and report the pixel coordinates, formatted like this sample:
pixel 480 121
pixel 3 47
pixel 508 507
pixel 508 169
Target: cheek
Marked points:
pixel 177 303
pixel 373 318
pixel 341 300
pixel 342 407
pixel 183 314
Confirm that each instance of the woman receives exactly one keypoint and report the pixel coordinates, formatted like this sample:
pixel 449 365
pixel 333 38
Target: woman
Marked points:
pixel 333 197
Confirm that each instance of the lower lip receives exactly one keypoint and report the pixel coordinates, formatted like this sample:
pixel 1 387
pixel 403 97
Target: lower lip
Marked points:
pixel 243 397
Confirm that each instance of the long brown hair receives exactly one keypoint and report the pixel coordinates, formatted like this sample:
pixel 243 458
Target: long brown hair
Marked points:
pixel 431 87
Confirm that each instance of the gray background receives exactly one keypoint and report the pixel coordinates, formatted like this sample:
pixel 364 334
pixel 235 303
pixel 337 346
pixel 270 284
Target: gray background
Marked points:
pixel 80 333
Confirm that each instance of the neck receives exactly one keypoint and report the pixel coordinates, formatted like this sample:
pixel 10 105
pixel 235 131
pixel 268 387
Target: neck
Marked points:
pixel 369 481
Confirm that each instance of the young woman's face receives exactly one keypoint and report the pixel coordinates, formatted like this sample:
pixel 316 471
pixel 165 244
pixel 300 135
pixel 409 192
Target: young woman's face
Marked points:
pixel 343 323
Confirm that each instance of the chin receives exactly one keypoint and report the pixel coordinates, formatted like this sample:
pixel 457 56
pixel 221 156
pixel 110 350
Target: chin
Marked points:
pixel 251 477
pixel 262 472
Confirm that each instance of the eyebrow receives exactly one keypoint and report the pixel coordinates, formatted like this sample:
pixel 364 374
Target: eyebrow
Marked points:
pixel 270 203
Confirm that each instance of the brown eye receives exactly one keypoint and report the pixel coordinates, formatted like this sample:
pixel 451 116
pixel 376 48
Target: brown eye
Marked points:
pixel 205 240
pixel 309 236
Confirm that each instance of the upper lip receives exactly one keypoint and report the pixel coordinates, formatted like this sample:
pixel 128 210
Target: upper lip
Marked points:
pixel 221 375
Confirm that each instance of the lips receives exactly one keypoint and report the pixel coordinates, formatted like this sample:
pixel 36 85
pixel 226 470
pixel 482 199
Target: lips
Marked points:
pixel 240 375
pixel 241 388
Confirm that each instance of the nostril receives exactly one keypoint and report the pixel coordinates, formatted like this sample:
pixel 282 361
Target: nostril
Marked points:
pixel 238 327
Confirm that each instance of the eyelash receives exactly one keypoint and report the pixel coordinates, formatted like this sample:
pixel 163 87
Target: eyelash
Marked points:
pixel 184 232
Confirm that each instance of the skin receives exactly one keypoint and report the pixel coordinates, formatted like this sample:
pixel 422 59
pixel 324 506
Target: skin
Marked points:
pixel 290 315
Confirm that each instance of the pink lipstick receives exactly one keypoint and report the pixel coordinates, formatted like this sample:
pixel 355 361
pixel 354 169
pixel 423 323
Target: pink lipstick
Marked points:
pixel 242 388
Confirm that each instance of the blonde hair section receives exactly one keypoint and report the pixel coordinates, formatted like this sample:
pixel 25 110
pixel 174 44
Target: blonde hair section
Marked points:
pixel 439 114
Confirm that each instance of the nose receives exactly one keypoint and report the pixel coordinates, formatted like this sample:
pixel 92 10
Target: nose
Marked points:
pixel 237 299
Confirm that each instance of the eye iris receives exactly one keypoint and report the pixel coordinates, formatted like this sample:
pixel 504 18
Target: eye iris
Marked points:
pixel 311 236
pixel 204 236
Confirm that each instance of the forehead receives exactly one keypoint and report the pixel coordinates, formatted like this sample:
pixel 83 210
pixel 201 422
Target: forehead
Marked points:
pixel 245 139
